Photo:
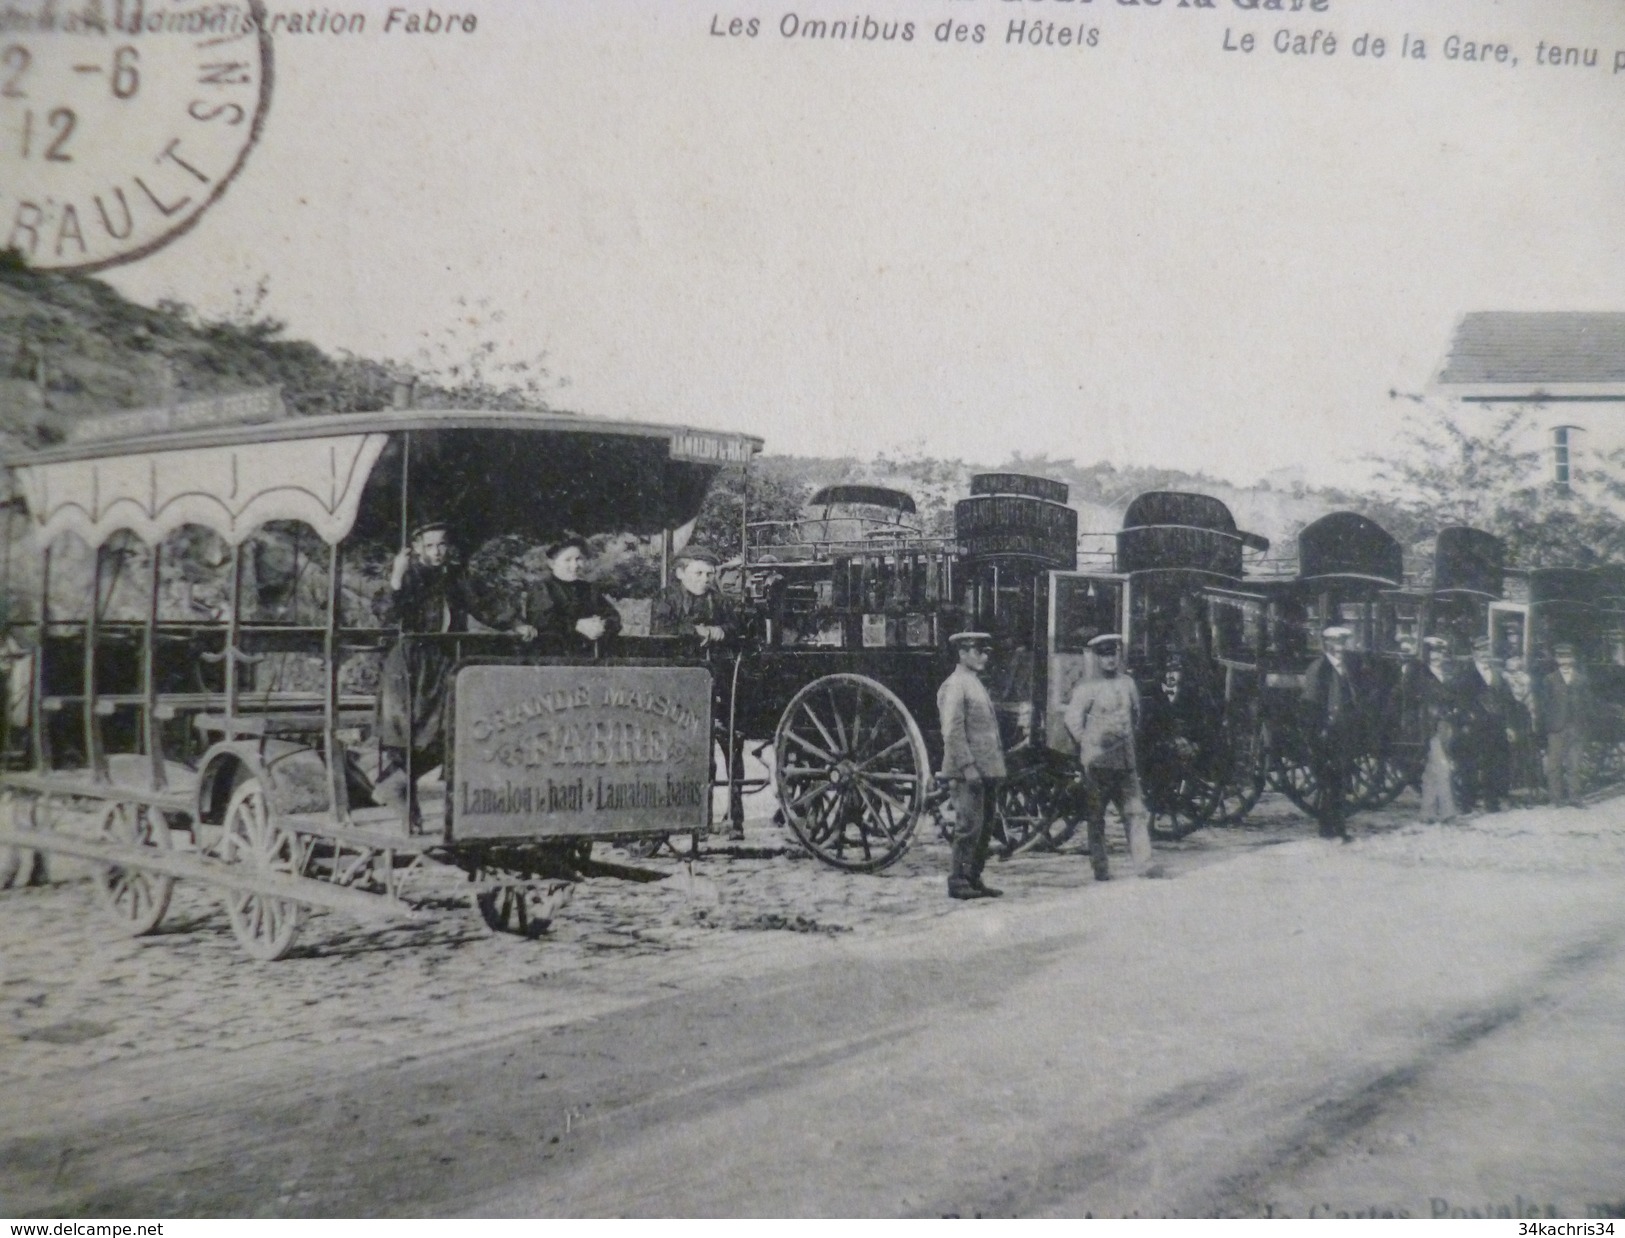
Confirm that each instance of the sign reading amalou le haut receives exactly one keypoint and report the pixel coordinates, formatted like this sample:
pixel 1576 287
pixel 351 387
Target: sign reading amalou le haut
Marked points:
pixel 570 751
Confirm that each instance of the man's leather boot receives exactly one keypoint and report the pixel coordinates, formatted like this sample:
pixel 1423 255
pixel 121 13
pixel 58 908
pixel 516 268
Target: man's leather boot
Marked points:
pixel 960 884
pixel 978 862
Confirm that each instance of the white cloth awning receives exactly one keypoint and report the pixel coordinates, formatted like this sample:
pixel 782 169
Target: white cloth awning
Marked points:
pixel 231 490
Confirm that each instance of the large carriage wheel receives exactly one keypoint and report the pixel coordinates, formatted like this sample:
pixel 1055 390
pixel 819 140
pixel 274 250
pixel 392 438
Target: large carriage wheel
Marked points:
pixel 523 908
pixel 136 900
pixel 852 772
pixel 1038 806
pixel 1379 778
pixel 1182 805
pixel 266 926
pixel 1245 774
pixel 1602 764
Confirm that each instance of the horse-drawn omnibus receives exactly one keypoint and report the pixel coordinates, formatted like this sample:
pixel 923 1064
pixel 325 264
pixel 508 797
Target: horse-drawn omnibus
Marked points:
pixel 854 604
pixel 204 661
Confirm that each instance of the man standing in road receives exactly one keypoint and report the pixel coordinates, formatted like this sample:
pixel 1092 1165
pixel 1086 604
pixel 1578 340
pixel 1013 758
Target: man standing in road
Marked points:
pixel 972 761
pixel 1102 716
pixel 1563 714
pixel 1488 705
pixel 1332 715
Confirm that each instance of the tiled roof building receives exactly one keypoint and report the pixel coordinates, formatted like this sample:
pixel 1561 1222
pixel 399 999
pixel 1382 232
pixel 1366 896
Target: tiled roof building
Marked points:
pixel 1518 356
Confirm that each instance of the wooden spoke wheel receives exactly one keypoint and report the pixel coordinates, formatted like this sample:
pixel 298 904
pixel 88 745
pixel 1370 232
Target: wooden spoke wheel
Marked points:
pixel 852 772
pixel 1294 777
pixel 1038 806
pixel 1181 804
pixel 265 925
pixel 522 908
pixel 1379 779
pixel 136 900
pixel 1244 777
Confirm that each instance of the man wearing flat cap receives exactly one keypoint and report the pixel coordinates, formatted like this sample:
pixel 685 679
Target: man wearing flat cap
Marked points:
pixel 1332 716
pixel 972 761
pixel 1563 713
pixel 1103 718
pixel 692 605
pixel 570 612
pixel 428 594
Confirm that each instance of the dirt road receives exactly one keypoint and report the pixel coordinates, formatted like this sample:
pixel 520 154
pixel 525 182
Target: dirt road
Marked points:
pixel 1424 1020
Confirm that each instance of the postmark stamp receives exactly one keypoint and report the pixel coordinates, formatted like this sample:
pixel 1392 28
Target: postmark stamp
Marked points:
pixel 123 121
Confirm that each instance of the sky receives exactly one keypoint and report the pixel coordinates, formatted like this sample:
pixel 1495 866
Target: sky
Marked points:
pixel 1149 251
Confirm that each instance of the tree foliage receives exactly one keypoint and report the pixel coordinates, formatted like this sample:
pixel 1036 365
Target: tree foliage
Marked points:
pixel 1456 466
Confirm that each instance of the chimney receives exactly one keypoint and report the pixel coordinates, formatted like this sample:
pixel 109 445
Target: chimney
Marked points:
pixel 405 393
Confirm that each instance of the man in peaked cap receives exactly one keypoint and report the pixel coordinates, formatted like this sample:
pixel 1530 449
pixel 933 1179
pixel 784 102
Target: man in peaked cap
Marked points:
pixel 1103 718
pixel 691 606
pixel 1485 752
pixel 972 761
pixel 1332 716
pixel 1563 713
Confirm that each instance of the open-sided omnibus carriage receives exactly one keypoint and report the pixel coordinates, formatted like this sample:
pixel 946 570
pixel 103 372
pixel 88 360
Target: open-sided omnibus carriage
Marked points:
pixel 854 604
pixel 1175 553
pixel 203 663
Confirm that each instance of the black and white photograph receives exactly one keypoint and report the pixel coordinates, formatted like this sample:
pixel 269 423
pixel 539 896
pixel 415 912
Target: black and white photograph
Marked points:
pixel 899 609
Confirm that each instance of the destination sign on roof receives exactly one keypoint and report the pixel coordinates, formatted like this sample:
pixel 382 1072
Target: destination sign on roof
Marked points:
pixel 1020 483
pixel 710 448
pixel 239 409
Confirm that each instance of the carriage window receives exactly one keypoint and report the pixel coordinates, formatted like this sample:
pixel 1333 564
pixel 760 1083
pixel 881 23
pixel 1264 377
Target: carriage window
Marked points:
pixel 1238 627
pixel 285 570
pixel 72 564
pixel 194 577
pixel 1506 633
pixel 1084 608
pixel 1404 627
pixel 126 579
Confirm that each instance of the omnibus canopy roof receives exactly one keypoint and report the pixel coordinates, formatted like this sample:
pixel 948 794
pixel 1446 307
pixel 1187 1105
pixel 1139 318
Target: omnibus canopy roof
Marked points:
pixel 871 496
pixel 1350 545
pixel 1171 530
pixel 1467 560
pixel 486 473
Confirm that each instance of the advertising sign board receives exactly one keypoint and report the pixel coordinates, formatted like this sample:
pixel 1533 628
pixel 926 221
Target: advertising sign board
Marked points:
pixel 578 751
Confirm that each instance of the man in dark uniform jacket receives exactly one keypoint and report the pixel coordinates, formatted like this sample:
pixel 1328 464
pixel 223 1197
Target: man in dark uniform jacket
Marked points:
pixel 1487 708
pixel 1332 706
pixel 1563 713
pixel 692 607
pixel 571 614
pixel 428 594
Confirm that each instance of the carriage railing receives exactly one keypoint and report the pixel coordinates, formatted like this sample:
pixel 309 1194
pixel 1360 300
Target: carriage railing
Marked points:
pixel 879 543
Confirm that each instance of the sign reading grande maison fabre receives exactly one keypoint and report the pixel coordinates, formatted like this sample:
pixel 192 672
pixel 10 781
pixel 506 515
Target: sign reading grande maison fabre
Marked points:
pixel 581 750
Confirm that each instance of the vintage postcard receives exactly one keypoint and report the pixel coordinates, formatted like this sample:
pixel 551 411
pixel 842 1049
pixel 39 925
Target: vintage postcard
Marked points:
pixel 832 608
